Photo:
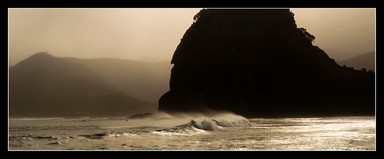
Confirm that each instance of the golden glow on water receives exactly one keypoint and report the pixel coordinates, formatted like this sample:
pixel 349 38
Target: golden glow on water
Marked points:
pixel 347 133
pixel 338 133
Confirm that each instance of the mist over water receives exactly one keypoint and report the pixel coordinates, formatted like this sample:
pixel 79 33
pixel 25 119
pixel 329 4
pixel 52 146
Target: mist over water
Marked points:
pixel 127 32
pixel 223 131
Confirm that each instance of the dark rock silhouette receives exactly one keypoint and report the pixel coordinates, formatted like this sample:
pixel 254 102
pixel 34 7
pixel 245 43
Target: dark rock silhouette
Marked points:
pixel 364 61
pixel 47 86
pixel 257 63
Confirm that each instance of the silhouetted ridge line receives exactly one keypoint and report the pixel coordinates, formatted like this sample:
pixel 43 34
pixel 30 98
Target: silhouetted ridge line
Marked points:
pixel 258 63
pixel 47 86
pixel 364 61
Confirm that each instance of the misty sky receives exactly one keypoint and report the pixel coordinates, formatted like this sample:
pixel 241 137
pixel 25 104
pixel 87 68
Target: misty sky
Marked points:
pixel 153 34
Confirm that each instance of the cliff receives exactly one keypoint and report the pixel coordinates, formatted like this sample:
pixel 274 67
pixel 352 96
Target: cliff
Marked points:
pixel 258 63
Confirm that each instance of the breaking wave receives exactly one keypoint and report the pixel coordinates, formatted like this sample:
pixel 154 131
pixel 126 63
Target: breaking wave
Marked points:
pixel 204 123
pixel 176 124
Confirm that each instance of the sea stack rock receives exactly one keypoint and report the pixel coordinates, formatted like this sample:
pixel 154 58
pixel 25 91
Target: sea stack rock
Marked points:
pixel 258 63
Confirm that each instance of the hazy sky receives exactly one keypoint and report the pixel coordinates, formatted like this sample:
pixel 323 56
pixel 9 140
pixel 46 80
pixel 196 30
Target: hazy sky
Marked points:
pixel 153 34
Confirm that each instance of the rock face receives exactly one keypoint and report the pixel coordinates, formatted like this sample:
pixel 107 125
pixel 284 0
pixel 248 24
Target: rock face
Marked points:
pixel 257 63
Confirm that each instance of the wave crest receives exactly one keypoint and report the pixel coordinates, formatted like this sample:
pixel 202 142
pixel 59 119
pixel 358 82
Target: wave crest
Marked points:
pixel 203 124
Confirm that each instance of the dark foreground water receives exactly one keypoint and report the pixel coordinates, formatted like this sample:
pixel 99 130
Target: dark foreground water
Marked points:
pixel 220 132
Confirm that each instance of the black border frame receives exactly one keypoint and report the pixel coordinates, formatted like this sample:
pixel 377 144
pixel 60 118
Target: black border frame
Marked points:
pixel 185 4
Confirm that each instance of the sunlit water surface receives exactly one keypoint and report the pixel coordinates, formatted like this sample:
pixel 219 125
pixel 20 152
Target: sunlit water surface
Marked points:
pixel 170 133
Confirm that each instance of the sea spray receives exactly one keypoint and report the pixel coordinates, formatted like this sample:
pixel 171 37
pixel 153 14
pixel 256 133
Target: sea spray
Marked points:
pixel 206 122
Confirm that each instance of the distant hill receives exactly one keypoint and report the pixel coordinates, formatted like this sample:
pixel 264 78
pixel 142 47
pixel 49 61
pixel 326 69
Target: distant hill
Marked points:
pixel 46 86
pixel 366 60
pixel 143 80
pixel 339 54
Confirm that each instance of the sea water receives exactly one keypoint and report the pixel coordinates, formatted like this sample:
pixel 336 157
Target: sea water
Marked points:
pixel 193 132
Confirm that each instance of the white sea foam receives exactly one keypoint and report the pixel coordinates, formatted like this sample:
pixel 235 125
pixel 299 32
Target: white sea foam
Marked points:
pixel 203 123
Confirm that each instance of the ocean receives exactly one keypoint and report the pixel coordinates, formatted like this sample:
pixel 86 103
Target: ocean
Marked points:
pixel 185 132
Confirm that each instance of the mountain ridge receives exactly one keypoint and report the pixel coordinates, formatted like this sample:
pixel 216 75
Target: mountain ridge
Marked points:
pixel 45 86
pixel 362 61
